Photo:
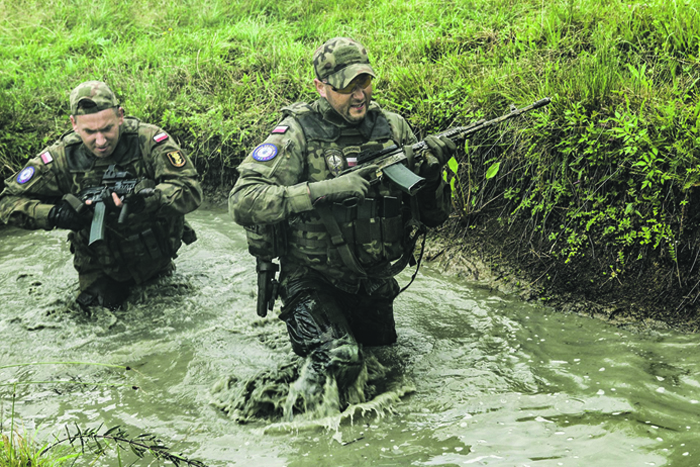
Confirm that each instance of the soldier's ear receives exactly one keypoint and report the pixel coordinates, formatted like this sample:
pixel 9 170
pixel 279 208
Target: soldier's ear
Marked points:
pixel 320 87
pixel 120 115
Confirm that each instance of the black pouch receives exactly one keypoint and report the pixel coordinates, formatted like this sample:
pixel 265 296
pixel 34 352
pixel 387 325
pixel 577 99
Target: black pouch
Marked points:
pixel 151 243
pixel 368 240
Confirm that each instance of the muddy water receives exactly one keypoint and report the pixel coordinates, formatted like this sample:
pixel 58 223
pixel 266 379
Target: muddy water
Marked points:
pixel 493 381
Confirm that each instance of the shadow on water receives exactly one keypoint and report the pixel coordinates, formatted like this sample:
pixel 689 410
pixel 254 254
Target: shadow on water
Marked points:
pixel 479 379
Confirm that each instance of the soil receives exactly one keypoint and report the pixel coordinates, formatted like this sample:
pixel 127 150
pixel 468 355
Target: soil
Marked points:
pixel 647 295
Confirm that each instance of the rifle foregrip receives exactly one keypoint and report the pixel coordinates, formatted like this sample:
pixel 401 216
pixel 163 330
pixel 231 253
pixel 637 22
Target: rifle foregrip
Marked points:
pixel 123 213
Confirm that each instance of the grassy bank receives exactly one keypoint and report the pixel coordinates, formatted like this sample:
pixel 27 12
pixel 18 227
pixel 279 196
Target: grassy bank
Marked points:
pixel 595 195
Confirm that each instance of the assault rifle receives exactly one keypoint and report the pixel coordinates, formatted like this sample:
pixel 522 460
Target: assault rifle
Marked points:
pixel 392 161
pixel 113 181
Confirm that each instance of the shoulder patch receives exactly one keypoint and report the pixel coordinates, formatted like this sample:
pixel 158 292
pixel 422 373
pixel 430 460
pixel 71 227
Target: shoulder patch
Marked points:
pixel 160 137
pixel 46 157
pixel 265 152
pixel 280 129
pixel 25 175
pixel 177 159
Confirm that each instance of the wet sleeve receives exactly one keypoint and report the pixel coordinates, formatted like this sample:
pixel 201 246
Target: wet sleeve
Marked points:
pixel 271 184
pixel 177 181
pixel 29 195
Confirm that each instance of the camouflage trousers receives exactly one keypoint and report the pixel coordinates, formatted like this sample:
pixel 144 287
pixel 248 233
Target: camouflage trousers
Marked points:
pixel 331 326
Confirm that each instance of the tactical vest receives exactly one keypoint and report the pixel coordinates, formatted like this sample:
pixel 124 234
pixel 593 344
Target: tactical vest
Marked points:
pixel 138 245
pixel 371 233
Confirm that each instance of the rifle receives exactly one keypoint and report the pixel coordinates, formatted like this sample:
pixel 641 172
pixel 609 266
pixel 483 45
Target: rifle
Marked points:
pixel 267 285
pixel 392 161
pixel 113 181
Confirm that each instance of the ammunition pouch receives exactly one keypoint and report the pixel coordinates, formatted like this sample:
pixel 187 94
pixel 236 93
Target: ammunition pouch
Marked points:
pixel 359 235
pixel 374 227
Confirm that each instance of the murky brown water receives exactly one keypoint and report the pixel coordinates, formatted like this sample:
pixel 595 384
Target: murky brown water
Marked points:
pixel 497 382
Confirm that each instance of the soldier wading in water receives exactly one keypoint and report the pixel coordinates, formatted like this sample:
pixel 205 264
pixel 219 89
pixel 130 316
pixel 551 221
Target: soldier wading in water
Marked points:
pixel 126 250
pixel 340 235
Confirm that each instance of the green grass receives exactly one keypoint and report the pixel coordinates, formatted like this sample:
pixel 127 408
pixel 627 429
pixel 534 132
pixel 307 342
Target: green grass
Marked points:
pixel 77 445
pixel 611 166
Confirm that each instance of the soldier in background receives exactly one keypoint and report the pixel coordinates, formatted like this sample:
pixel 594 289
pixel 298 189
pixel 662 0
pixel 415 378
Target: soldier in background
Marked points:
pixel 45 195
pixel 342 230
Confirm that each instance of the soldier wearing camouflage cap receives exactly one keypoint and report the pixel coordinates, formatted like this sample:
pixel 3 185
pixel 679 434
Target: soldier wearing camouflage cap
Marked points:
pixel 344 232
pixel 46 194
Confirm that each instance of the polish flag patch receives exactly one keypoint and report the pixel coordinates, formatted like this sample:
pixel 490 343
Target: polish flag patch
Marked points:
pixel 160 137
pixel 46 157
pixel 352 161
pixel 282 129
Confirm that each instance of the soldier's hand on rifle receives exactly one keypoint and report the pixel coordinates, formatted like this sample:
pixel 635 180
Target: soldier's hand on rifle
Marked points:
pixel 430 168
pixel 441 147
pixel 69 214
pixel 110 199
pixel 144 198
pixel 351 184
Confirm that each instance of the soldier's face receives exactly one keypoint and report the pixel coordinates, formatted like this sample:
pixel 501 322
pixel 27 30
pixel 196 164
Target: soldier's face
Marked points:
pixel 352 107
pixel 99 131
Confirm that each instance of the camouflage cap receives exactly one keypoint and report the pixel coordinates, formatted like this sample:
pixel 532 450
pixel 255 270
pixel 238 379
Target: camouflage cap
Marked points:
pixel 340 60
pixel 91 97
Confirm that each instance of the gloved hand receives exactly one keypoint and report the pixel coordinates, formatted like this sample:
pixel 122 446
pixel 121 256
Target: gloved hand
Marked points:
pixel 430 168
pixel 351 184
pixel 69 214
pixel 442 148
pixel 144 198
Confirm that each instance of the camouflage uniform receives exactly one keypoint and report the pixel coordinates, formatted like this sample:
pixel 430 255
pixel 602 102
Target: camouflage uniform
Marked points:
pixel 329 305
pixel 135 250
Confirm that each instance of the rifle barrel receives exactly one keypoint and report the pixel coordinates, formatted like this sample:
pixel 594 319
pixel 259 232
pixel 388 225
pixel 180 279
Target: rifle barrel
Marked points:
pixel 463 131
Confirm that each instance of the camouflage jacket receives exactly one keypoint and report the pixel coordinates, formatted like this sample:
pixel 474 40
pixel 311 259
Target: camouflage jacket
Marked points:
pixel 145 151
pixel 311 143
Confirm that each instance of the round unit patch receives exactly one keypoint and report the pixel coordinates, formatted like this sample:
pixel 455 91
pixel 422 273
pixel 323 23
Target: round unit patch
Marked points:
pixel 335 161
pixel 265 152
pixel 25 175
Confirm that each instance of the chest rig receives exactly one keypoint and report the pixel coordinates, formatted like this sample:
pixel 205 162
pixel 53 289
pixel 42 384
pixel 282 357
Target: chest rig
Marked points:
pixel 355 238
pixel 142 239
